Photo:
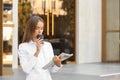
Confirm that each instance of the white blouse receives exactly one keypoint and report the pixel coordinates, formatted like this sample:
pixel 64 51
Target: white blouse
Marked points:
pixel 32 65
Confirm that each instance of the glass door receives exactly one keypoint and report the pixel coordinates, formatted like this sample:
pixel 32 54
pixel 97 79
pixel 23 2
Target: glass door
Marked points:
pixel 7 37
pixel 59 16
pixel 111 31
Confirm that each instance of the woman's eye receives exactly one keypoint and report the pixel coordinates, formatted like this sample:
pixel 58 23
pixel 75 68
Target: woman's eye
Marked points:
pixel 37 28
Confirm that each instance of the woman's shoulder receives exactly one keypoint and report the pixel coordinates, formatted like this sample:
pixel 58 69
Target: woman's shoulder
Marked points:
pixel 23 44
pixel 47 43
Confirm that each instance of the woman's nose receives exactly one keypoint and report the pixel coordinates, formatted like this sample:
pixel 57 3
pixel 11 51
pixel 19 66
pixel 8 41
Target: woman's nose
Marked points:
pixel 39 31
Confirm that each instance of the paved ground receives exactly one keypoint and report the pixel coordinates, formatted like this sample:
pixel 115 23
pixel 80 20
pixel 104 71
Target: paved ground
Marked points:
pixel 95 71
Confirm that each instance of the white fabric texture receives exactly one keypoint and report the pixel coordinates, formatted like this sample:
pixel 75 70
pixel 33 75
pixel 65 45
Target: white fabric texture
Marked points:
pixel 32 65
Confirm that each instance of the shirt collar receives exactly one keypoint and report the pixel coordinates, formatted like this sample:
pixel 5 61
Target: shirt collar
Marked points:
pixel 32 42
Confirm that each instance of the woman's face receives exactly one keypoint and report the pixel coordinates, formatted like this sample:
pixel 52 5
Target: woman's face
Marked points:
pixel 39 29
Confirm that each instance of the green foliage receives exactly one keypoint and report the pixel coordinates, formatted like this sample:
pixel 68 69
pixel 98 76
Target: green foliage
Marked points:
pixel 24 12
pixel 69 5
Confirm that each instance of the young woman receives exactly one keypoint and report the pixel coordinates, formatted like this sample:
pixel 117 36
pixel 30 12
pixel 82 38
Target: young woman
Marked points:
pixel 34 53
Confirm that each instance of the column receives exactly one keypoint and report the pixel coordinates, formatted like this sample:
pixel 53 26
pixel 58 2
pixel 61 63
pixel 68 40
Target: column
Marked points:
pixel 15 35
pixel 88 31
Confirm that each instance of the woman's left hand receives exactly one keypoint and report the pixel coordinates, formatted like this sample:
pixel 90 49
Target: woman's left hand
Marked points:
pixel 57 60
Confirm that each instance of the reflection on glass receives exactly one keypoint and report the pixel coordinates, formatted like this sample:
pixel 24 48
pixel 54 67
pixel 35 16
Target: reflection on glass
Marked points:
pixel 7 37
pixel 113 50
pixel 7 45
pixel 7 33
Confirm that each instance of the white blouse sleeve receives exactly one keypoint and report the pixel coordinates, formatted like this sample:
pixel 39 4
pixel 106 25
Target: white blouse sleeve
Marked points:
pixel 27 61
pixel 56 68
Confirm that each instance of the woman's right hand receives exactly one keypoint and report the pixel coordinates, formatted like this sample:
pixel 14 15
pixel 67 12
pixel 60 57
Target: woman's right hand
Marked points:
pixel 38 46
